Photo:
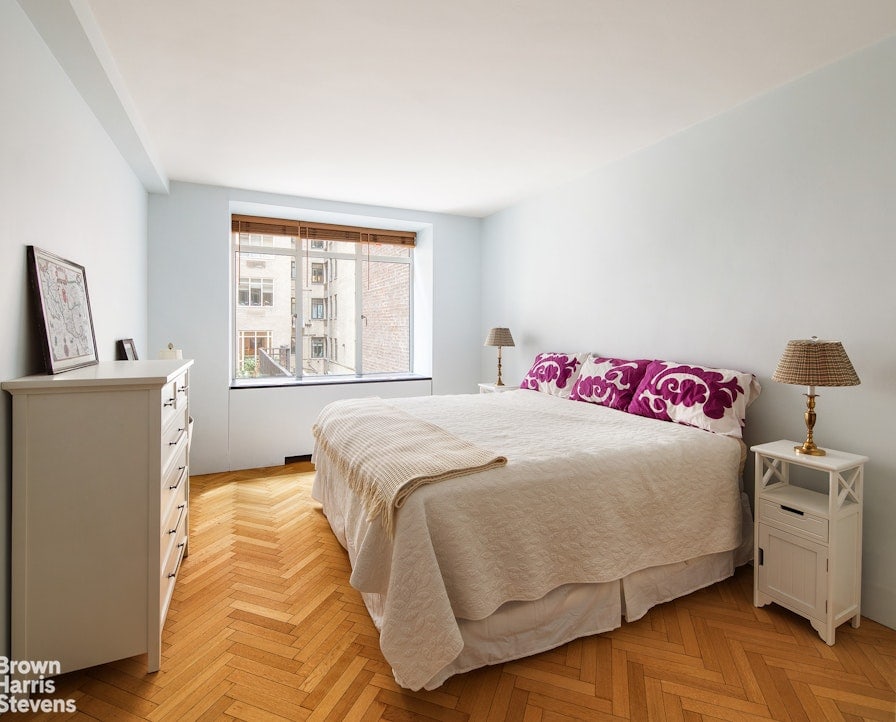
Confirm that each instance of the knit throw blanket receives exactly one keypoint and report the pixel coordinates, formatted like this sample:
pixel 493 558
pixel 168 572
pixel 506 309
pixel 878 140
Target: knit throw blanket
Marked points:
pixel 386 453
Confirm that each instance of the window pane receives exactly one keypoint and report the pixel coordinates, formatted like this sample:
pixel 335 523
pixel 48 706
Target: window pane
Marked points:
pixel 265 240
pixel 387 249
pixel 329 246
pixel 263 316
pixel 386 309
pixel 328 359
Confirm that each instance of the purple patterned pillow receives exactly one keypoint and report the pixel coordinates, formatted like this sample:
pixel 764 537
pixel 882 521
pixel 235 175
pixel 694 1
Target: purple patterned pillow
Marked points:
pixel 711 399
pixel 554 373
pixel 609 381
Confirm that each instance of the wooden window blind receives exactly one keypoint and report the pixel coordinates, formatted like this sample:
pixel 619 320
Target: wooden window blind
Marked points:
pixel 320 231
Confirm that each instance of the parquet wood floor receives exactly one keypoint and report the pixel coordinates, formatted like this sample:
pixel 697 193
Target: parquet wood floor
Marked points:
pixel 264 626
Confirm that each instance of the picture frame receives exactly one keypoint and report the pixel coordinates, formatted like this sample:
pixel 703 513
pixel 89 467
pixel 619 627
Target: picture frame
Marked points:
pixel 127 351
pixel 64 318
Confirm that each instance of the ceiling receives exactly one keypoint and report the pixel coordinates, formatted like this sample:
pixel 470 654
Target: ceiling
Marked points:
pixel 459 106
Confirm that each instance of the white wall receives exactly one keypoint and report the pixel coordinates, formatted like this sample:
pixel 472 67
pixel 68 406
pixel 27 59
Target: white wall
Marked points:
pixel 189 304
pixel 64 187
pixel 772 222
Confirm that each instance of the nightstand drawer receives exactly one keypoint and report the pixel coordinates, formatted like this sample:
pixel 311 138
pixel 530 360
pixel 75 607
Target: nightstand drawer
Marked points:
pixel 789 517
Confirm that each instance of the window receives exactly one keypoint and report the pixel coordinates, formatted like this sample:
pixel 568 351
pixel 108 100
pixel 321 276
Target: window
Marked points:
pixel 373 321
pixel 250 344
pixel 256 291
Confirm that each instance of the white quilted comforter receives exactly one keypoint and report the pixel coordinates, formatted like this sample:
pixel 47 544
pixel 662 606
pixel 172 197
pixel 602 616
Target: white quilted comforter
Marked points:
pixel 589 494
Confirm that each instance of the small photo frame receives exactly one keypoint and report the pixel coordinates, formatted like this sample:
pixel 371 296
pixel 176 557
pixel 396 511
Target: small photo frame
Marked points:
pixel 127 351
pixel 65 322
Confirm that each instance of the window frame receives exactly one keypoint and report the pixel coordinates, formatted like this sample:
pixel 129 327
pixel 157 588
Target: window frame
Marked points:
pixel 308 251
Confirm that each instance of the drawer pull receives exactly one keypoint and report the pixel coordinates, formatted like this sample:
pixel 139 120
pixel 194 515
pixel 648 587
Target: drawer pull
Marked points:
pixel 183 389
pixel 792 510
pixel 179 560
pixel 180 516
pixel 179 438
pixel 179 478
pixel 169 402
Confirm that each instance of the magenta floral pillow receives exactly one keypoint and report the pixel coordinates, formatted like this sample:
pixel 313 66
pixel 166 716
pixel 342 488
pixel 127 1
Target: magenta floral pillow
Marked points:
pixel 554 373
pixel 609 381
pixel 711 399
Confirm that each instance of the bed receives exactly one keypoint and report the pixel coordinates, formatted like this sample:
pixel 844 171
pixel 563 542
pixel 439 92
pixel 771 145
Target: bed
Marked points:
pixel 597 515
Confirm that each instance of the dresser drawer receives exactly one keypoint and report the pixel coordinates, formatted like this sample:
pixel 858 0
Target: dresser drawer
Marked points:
pixel 168 400
pixel 168 572
pixel 174 439
pixel 174 483
pixel 790 518
pixel 173 527
pixel 174 397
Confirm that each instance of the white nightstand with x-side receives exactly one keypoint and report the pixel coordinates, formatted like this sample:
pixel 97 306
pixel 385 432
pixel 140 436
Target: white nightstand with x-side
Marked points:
pixel 808 545
pixel 494 388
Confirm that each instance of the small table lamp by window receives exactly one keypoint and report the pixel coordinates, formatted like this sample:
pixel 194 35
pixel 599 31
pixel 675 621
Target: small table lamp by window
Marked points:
pixel 499 337
pixel 814 363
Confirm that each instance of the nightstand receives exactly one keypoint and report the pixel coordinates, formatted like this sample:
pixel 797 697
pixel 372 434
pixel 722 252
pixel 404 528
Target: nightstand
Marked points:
pixel 808 544
pixel 493 388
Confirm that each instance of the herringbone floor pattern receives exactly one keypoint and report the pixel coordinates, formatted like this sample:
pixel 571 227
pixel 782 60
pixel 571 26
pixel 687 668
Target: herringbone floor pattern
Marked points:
pixel 264 626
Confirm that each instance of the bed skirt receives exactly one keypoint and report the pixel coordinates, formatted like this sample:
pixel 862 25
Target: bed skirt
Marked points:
pixel 521 629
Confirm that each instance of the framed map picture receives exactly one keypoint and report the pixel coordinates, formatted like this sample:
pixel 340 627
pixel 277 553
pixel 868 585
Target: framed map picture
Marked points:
pixel 65 322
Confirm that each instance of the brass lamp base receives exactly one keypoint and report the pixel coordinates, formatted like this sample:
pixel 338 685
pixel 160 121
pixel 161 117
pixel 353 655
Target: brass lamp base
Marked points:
pixel 809 448
pixel 499 382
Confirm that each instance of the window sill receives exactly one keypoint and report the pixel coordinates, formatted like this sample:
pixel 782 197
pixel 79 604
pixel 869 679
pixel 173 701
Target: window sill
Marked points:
pixel 281 381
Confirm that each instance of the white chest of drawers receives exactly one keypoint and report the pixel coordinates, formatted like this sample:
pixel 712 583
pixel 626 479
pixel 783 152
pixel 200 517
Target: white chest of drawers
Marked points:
pixel 100 509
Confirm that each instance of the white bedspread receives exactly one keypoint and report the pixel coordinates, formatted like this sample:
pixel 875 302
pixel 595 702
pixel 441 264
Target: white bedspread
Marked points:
pixel 589 494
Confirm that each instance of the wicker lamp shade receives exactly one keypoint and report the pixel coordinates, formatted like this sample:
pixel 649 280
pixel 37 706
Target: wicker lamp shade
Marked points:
pixel 499 337
pixel 812 363
pixel 815 363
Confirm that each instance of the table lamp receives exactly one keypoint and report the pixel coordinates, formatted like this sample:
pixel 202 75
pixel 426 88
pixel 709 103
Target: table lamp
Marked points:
pixel 499 337
pixel 812 363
